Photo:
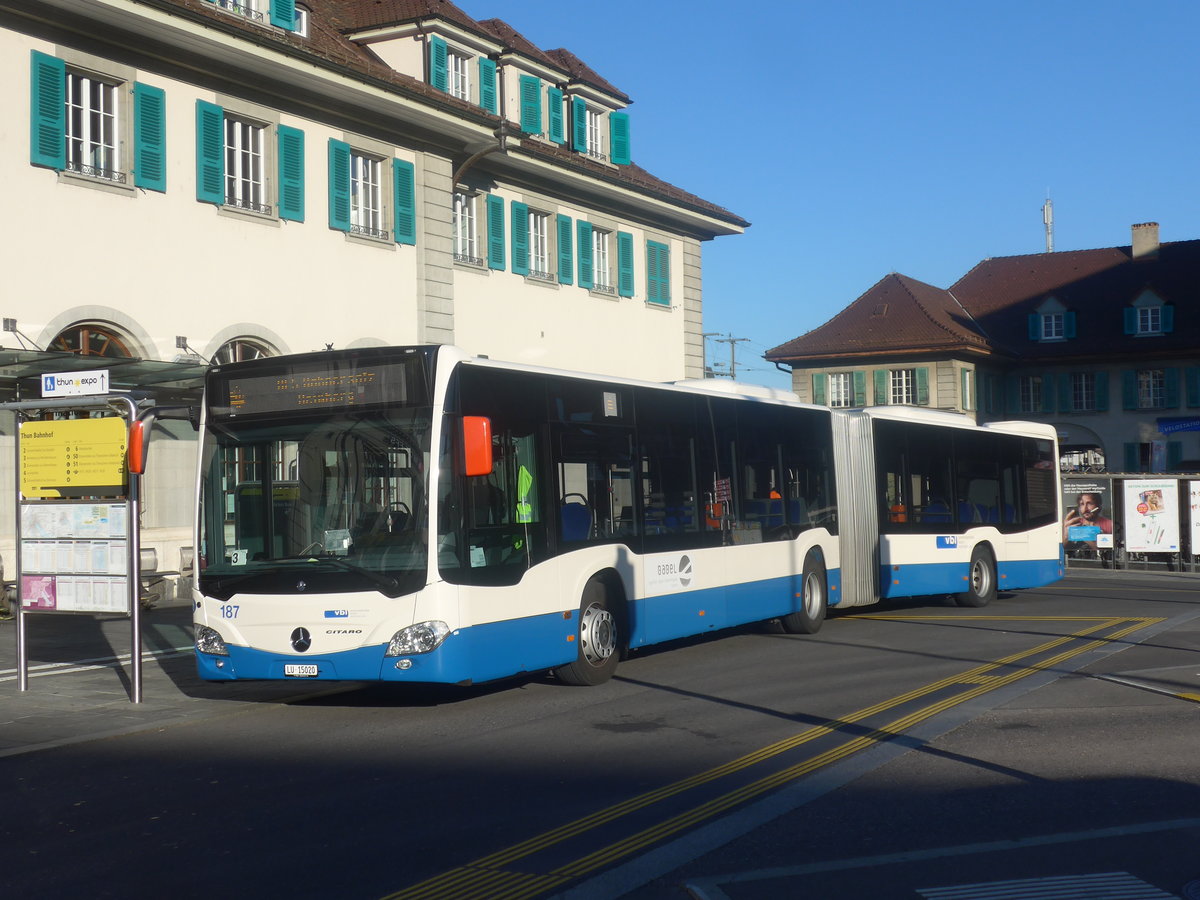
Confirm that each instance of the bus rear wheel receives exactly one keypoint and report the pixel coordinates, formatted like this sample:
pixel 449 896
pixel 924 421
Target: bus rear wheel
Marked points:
pixel 598 639
pixel 814 600
pixel 982 578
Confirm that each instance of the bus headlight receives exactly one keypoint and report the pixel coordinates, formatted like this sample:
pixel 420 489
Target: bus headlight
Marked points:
pixel 209 641
pixel 420 638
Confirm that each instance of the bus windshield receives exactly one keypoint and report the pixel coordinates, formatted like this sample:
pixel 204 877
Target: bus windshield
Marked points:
pixel 318 504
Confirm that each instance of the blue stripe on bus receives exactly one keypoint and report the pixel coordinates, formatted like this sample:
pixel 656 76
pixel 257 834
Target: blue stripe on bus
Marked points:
pixel 499 649
pixel 916 580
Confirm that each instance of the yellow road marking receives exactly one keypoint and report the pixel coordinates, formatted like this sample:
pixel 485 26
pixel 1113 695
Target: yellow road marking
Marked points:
pixel 489 878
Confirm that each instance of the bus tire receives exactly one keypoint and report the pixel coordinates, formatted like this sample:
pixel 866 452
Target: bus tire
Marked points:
pixel 982 578
pixel 814 599
pixel 598 639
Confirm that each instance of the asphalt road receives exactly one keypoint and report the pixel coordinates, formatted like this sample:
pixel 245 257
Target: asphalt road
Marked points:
pixel 1049 741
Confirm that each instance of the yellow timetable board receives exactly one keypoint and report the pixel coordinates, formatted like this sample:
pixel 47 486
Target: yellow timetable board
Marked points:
pixel 73 458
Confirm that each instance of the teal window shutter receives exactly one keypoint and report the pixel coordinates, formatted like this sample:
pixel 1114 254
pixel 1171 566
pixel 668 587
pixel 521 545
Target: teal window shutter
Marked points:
pixel 1174 454
pixel 48 118
pixel 1035 326
pixel 149 137
pixel 1191 377
pixel 881 387
pixel 1171 387
pixel 625 279
pixel 1066 399
pixel 554 100
pixel 1168 318
pixel 210 153
pixel 1012 395
pixel 618 139
pixel 584 241
pixel 439 70
pixel 487 84
pixel 520 238
pixel 1129 389
pixel 495 231
pixel 339 185
pixel 1133 458
pixel 1047 384
pixel 579 124
pixel 1131 317
pixel 291 173
pixel 283 14
pixel 860 388
pixel 566 264
pixel 1101 379
pixel 531 104
pixel 404 186
pixel 818 388
pixel 1069 325
pixel 923 386
pixel 658 273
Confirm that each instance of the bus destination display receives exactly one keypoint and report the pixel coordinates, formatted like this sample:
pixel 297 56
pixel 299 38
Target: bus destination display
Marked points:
pixel 300 391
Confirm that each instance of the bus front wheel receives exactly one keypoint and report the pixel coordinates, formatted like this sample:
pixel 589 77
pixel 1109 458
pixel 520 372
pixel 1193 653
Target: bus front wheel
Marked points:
pixel 982 578
pixel 598 640
pixel 814 600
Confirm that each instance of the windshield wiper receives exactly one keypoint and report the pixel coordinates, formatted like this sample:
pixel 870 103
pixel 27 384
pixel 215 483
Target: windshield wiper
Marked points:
pixel 390 585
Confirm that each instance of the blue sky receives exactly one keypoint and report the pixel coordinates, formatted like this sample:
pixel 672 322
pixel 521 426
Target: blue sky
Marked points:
pixel 862 138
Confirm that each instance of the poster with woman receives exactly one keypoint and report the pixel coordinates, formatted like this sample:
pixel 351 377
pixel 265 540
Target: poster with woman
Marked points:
pixel 1152 516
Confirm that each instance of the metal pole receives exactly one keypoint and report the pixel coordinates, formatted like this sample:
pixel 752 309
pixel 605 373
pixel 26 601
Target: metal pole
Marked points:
pixel 133 531
pixel 22 648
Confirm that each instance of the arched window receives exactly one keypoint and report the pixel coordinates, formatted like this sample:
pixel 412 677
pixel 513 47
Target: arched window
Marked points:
pixel 91 339
pixel 240 350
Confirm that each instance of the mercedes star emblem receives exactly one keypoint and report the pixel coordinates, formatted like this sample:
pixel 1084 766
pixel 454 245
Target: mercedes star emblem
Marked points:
pixel 301 640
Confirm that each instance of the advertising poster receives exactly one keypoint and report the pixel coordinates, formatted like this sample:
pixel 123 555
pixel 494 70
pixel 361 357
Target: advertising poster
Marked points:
pixel 1194 515
pixel 1152 516
pixel 1087 513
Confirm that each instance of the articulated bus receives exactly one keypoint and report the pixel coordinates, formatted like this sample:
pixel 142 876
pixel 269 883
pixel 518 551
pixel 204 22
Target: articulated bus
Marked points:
pixel 414 514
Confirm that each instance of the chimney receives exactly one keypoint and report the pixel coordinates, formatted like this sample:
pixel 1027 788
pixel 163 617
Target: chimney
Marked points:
pixel 1145 241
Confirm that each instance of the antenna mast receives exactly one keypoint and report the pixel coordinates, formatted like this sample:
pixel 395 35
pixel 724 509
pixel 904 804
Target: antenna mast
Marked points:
pixel 1048 221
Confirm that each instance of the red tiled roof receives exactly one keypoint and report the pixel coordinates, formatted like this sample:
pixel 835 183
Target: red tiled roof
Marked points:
pixel 899 314
pixel 360 15
pixel 514 40
pixel 581 71
pixel 331 20
pixel 987 310
pixel 1097 285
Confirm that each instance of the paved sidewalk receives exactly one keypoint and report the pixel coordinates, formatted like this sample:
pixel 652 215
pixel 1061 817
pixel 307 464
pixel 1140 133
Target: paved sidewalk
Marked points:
pixel 80 680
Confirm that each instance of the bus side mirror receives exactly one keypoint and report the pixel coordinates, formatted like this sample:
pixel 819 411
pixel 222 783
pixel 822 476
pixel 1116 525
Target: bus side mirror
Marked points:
pixel 477 445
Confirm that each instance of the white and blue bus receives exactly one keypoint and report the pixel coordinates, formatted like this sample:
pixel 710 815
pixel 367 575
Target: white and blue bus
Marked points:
pixel 415 514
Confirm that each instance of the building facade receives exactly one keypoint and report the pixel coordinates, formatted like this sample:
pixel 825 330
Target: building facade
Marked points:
pixel 1103 344
pixel 210 180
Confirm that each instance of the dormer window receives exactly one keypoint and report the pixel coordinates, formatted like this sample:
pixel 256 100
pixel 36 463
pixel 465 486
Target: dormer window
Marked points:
pixel 301 21
pixel 1051 322
pixel 1149 316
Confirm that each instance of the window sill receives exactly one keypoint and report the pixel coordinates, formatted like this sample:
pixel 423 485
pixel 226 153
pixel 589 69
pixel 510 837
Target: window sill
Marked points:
pixel 105 185
pixel 543 282
pixel 248 215
pixel 471 264
pixel 367 240
pixel 664 307
pixel 604 293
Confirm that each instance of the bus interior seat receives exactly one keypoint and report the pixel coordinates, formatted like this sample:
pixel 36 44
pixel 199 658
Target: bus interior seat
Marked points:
pixel 936 511
pixel 576 518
